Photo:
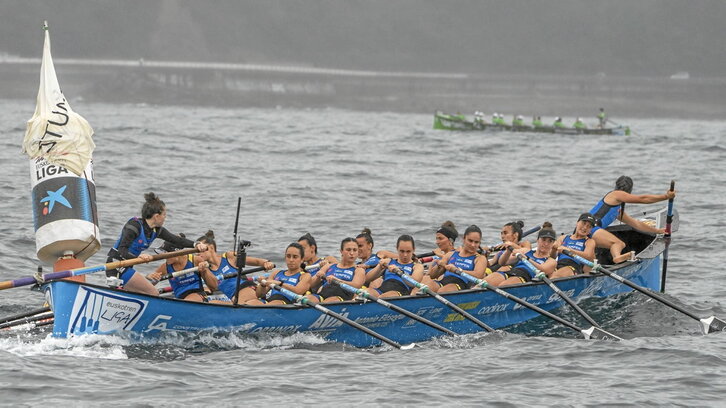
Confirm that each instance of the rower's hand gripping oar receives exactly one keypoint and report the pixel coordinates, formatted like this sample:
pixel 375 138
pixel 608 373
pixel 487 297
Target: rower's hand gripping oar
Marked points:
pixel 425 289
pixel 541 275
pixel 32 280
pixel 667 237
pixel 708 324
pixel 364 294
pixel 524 234
pixel 326 311
pixel 592 332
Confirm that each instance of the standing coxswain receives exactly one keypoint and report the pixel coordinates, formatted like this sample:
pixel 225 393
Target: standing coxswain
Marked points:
pixel 136 236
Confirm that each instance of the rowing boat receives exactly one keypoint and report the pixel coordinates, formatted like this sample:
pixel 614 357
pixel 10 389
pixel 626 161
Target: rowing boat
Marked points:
pixel 445 121
pixel 82 308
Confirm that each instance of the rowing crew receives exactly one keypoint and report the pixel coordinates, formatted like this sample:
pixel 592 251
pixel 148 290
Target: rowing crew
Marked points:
pixel 380 272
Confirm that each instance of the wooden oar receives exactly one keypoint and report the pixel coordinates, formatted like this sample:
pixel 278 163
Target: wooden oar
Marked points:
pixel 365 294
pixel 708 324
pixel 592 332
pixel 541 275
pixel 667 237
pixel 326 311
pixel 26 314
pixel 26 320
pixel 425 289
pixel 32 280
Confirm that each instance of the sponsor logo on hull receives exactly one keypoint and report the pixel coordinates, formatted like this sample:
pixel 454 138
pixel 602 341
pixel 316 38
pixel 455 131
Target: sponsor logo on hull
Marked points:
pixel 99 312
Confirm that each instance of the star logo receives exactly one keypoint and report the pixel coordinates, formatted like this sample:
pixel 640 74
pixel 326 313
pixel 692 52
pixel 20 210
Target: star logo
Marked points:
pixel 54 197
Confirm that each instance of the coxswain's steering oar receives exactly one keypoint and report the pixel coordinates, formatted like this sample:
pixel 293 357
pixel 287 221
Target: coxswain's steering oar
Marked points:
pixel 592 332
pixel 425 289
pixel 708 324
pixel 326 311
pixel 32 280
pixel 667 237
pixel 541 275
pixel 364 294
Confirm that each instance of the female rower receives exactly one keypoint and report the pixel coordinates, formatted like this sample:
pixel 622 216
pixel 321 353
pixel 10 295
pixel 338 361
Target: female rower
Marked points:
pixel 226 263
pixel 136 236
pixel 541 258
pixel 188 286
pixel 293 278
pixel 312 260
pixel 394 285
pixel 445 237
pixel 511 235
pixel 467 259
pixel 345 270
pixel 368 259
pixel 579 243
pixel 612 206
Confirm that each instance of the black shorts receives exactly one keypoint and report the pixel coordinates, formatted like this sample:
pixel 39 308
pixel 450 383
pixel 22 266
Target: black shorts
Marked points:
pixel 520 273
pixel 278 296
pixel 394 285
pixel 190 291
pixel 570 263
pixel 460 283
pixel 331 291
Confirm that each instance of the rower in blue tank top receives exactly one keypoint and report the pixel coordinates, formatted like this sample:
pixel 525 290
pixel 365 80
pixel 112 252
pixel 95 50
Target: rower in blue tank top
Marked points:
pixel 311 254
pixel 540 258
pixel 189 286
pixel 368 259
pixel 392 284
pixel 225 264
pixel 579 243
pixel 611 207
pixel 294 279
pixel 345 270
pixel 136 236
pixel 441 276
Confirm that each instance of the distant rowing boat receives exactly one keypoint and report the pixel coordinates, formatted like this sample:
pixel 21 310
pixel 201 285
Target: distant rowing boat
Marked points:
pixel 82 308
pixel 445 121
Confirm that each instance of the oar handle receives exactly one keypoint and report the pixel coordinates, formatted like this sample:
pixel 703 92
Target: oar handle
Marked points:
pixel 244 272
pixel 595 266
pixel 425 255
pixel 529 265
pixel 157 257
pixel 669 214
pixel 177 274
pixel 411 281
pixel 472 279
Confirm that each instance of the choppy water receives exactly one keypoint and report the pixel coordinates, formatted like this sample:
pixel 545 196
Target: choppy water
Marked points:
pixel 331 172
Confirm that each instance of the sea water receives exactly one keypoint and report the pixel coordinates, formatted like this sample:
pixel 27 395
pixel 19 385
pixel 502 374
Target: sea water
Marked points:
pixel 332 172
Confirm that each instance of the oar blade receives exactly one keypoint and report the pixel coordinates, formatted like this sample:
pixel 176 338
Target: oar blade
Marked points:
pixel 408 346
pixel 712 324
pixel 599 334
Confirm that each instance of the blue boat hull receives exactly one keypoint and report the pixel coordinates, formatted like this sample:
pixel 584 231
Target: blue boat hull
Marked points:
pixel 82 308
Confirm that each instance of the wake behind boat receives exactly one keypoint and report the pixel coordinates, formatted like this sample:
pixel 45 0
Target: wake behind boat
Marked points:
pixel 460 122
pixel 82 308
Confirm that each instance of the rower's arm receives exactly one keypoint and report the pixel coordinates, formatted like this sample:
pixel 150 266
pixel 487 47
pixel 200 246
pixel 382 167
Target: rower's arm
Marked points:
pixel 480 267
pixel 436 270
pixel 640 225
pixel 418 272
pixel 303 285
pixel 359 278
pixel 624 197
pixel 377 271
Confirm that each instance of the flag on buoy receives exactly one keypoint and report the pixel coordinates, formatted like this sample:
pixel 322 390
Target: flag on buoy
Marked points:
pixel 55 132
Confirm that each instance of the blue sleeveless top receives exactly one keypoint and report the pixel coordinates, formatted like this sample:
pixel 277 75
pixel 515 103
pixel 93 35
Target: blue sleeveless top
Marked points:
pixel 186 282
pixel 290 280
pixel 465 263
pixel 140 243
pixel 532 258
pixel 576 244
pixel 407 268
pixel 605 213
pixel 227 286
pixel 344 274
pixel 372 260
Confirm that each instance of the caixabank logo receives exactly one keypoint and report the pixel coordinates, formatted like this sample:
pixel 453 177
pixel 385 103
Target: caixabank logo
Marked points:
pixel 63 198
